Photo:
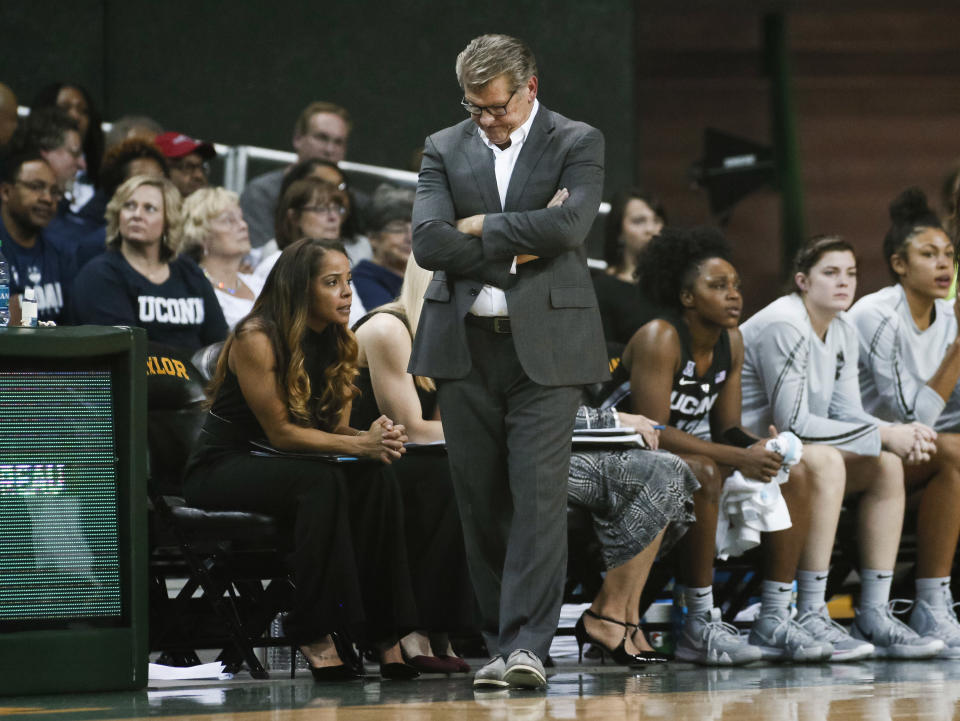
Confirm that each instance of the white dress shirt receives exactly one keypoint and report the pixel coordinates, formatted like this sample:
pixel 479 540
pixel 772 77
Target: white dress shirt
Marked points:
pixel 492 301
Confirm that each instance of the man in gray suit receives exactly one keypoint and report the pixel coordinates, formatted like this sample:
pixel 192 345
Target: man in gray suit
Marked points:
pixel 510 329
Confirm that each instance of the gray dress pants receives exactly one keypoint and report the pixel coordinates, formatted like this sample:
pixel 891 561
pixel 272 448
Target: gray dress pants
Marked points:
pixel 508 442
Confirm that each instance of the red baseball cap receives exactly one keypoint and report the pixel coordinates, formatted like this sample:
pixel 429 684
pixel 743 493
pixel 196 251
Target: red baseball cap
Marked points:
pixel 176 145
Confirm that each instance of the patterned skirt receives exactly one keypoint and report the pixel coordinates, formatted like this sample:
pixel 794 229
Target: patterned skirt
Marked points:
pixel 633 495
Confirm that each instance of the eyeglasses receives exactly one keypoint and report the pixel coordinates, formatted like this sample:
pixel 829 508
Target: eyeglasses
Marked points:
pixel 190 167
pixel 329 208
pixel 495 110
pixel 39 187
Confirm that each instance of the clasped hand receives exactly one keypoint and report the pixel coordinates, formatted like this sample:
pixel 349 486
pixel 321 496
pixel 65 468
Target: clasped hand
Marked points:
pixel 913 442
pixel 473 224
pixel 383 441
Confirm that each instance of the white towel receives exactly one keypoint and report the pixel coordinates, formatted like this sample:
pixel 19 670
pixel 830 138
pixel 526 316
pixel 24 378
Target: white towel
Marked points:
pixel 749 507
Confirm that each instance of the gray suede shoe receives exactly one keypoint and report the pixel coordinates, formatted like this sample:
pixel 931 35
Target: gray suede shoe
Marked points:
pixel 525 670
pixel 491 673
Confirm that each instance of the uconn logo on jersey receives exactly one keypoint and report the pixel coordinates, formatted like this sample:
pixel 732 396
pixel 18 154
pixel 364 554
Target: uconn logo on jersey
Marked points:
pixel 691 400
pixel 172 311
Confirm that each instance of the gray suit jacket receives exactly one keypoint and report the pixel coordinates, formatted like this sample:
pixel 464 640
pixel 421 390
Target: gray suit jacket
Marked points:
pixel 553 310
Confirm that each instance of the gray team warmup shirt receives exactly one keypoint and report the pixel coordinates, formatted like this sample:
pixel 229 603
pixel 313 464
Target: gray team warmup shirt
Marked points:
pixel 897 359
pixel 799 383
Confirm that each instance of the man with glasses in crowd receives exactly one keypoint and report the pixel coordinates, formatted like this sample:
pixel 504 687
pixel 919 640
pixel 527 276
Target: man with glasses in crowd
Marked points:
pixel 30 192
pixel 187 159
pixel 321 132
pixel 510 329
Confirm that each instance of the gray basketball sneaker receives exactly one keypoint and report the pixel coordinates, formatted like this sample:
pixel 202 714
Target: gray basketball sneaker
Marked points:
pixel 823 628
pixel 780 638
pixel 707 640
pixel 891 637
pixel 938 621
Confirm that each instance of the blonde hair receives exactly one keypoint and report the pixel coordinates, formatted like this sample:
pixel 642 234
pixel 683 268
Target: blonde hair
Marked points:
pixel 171 213
pixel 410 304
pixel 488 56
pixel 197 211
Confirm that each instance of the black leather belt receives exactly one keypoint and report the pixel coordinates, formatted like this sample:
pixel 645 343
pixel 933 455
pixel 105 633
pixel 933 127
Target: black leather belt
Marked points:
pixel 497 324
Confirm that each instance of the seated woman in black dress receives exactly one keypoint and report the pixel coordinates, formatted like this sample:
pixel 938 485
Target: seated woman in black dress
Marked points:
pixel 633 495
pixel 286 375
pixel 635 217
pixel 441 583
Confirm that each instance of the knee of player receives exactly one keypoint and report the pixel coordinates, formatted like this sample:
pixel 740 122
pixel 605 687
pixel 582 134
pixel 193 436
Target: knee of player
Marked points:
pixel 890 472
pixel 708 475
pixel 823 471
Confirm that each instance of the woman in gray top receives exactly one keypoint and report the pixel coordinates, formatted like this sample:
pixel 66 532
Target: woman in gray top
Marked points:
pixel 800 373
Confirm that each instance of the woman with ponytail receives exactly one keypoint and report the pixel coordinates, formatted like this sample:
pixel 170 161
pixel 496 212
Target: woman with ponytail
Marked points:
pixel 285 376
pixel 909 368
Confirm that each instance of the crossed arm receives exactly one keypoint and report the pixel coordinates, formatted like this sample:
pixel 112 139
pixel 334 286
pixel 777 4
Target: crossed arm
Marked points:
pixel 482 247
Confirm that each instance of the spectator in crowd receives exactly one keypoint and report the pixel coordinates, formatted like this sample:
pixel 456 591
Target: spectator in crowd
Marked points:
pixel 320 132
pixel 29 193
pixel 187 159
pixel 356 244
pixel 909 368
pixel 286 374
pixel 635 217
pixel 378 279
pixel 74 100
pixel 309 208
pixel 8 115
pixel 139 281
pixel 134 156
pixel 215 235
pixel 133 126
pixel 57 136
pixel 800 374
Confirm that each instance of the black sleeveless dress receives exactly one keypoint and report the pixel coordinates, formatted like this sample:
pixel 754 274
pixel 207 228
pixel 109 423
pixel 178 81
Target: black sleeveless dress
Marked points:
pixel 434 536
pixel 349 559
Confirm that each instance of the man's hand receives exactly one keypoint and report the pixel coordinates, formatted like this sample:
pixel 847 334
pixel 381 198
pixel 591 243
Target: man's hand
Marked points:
pixel 472 225
pixel 555 202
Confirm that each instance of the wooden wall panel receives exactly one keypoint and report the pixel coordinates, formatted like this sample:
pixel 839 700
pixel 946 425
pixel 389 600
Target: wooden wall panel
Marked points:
pixel 877 94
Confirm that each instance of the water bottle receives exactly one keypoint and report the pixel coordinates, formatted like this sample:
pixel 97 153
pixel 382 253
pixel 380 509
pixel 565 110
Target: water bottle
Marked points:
pixel 4 292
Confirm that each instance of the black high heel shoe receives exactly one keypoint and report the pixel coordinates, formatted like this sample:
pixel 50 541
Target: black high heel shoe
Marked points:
pixel 647 657
pixel 345 671
pixel 620 655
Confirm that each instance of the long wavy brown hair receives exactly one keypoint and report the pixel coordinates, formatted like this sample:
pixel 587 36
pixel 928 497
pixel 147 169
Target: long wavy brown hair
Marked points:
pixel 280 312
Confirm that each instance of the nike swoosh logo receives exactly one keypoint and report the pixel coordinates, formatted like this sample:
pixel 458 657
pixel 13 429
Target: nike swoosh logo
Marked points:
pixel 685 382
pixel 704 594
pixel 889 575
pixel 944 583
pixel 784 589
pixel 820 578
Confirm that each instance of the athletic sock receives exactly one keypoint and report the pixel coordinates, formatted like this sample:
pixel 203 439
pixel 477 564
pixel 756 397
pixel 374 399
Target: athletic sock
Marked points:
pixel 931 590
pixel 811 590
pixel 699 600
pixel 775 598
pixel 875 587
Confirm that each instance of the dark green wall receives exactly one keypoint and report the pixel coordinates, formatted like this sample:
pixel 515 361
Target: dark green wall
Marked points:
pixel 239 72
